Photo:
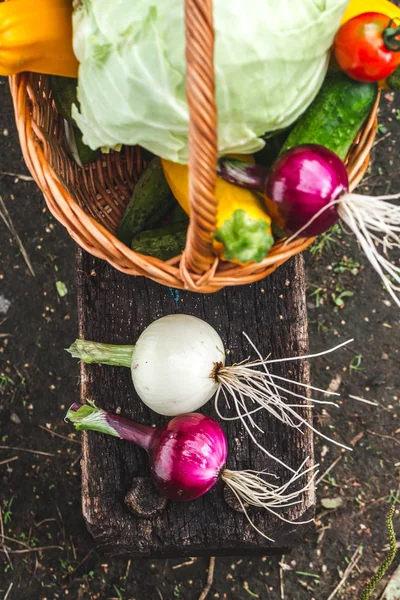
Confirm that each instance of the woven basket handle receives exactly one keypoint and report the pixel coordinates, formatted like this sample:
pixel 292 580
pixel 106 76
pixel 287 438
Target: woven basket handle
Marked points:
pixel 200 93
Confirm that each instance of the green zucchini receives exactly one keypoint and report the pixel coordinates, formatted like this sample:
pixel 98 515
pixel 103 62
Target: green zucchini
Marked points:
pixel 152 199
pixel 64 96
pixel 336 115
pixel 164 243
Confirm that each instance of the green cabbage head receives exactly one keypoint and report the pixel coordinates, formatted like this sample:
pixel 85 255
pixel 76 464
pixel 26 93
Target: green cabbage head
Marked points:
pixel 271 58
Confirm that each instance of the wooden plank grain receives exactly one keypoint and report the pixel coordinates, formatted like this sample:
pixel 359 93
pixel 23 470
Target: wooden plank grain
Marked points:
pixel 115 308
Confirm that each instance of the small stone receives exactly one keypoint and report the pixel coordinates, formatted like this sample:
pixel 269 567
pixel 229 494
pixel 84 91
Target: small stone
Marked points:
pixel 324 451
pixel 334 384
pixel 4 305
pixel 14 418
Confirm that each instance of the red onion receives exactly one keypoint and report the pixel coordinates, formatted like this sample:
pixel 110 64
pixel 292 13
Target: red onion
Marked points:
pixel 302 182
pixel 307 191
pixel 187 457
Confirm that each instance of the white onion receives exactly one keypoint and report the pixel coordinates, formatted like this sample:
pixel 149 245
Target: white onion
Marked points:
pixel 173 362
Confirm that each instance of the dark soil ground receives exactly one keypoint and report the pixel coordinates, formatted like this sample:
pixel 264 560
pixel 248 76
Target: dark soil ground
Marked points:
pixel 50 554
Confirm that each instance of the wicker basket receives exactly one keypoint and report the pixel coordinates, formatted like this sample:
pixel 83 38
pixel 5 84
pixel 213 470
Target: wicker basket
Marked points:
pixel 90 201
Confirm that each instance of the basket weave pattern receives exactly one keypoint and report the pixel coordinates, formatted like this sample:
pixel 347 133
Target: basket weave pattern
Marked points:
pixel 90 201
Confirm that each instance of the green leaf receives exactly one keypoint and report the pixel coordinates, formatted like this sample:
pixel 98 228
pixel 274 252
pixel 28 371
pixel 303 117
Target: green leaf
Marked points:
pixel 61 288
pixel 244 238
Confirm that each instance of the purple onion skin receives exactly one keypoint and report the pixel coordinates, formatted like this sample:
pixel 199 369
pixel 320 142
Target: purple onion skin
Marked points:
pixel 187 456
pixel 301 182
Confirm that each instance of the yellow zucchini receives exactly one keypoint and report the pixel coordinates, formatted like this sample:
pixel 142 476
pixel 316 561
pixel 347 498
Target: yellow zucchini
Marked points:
pixel 243 227
pixel 36 35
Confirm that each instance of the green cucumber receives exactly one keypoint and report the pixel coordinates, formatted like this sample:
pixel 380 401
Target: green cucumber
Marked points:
pixel 164 243
pixel 336 115
pixel 64 96
pixel 152 199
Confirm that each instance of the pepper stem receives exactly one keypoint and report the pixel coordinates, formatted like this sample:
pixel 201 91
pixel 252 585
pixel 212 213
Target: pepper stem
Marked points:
pixel 390 37
pixel 106 354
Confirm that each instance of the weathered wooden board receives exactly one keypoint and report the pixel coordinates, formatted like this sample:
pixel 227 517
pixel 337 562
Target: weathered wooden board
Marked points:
pixel 114 308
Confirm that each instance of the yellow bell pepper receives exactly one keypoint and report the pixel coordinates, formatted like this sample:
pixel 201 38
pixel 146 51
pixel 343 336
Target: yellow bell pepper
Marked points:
pixel 243 227
pixel 36 35
pixel 358 7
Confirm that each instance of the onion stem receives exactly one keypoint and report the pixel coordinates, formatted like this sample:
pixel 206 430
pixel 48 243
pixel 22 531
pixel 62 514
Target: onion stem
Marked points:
pixel 106 354
pixel 243 174
pixel 89 417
